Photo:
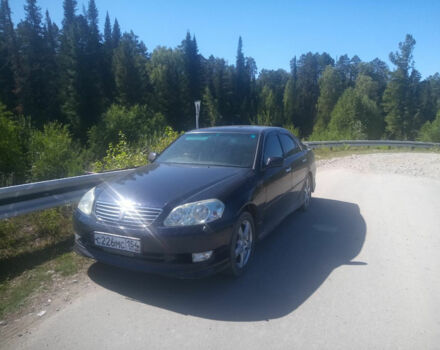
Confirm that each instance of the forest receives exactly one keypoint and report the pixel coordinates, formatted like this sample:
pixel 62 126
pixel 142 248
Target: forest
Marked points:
pixel 75 99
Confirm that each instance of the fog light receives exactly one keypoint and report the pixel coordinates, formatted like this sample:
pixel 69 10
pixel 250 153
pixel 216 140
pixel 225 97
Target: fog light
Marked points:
pixel 198 257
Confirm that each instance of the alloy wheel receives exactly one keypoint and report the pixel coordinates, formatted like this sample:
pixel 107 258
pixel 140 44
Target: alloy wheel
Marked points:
pixel 307 192
pixel 243 246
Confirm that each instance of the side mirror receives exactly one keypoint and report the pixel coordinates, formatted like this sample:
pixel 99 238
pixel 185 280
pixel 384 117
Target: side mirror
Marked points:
pixel 152 156
pixel 273 162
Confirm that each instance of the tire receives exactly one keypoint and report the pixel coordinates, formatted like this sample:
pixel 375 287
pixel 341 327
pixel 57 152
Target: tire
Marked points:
pixel 242 246
pixel 306 193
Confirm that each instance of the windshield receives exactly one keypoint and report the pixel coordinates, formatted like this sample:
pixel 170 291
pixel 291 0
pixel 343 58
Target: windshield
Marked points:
pixel 223 149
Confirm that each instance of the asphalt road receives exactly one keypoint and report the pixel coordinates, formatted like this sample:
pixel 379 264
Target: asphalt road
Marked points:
pixel 360 269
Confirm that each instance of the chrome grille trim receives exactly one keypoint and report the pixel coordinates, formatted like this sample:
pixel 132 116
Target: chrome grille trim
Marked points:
pixel 139 217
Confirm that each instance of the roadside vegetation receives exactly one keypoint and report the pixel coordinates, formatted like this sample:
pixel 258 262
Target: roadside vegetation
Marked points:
pixel 35 248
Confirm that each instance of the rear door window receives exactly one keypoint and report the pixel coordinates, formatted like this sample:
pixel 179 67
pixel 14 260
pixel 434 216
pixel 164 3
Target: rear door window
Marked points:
pixel 289 145
pixel 272 147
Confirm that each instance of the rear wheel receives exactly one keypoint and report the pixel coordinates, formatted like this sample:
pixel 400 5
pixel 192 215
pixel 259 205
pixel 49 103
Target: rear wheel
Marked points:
pixel 242 244
pixel 306 193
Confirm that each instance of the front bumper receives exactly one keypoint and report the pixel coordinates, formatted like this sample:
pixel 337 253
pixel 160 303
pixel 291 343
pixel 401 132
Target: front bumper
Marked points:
pixel 164 250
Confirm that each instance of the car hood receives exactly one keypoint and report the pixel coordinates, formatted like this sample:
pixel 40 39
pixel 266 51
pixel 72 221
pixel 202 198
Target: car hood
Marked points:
pixel 160 184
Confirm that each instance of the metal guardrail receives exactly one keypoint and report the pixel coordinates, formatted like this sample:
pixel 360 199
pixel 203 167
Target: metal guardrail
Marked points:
pixel 22 199
pixel 372 143
pixel 26 198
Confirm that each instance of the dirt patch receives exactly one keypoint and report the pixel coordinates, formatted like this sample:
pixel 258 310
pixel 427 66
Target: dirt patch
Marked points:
pixel 53 294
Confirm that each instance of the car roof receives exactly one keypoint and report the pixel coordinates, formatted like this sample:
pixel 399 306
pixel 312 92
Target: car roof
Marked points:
pixel 238 128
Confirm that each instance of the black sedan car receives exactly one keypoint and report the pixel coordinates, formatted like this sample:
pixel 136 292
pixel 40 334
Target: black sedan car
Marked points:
pixel 201 205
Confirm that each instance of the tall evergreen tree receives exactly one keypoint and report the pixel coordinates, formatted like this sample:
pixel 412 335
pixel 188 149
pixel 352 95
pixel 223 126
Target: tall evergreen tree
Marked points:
pixel 34 91
pixel 8 57
pixel 108 82
pixel 271 86
pixel 129 66
pixel 107 32
pixel 242 86
pixel 92 68
pixel 191 89
pixel 165 71
pixel 310 68
pixel 400 98
pixel 116 33
pixel 331 87
pixel 290 100
pixel 220 81
pixel 69 67
pixel 51 39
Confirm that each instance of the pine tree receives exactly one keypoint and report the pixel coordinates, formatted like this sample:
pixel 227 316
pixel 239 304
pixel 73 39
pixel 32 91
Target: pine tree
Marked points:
pixel 107 32
pixel 290 101
pixel 69 67
pixel 116 33
pixel 51 39
pixel 241 86
pixel 34 90
pixel 92 69
pixel 9 65
pixel 165 70
pixel 310 68
pixel 129 66
pixel 108 81
pixel 271 88
pixel 191 80
pixel 400 98
pixel 331 87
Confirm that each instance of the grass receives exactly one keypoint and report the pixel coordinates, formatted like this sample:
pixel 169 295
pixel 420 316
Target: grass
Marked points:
pixel 326 153
pixel 15 293
pixel 34 248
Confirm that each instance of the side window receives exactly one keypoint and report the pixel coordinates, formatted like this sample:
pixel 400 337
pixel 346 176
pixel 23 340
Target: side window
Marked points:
pixel 272 147
pixel 289 145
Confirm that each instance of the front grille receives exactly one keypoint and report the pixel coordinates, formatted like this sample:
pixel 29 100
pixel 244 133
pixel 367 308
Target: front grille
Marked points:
pixel 135 216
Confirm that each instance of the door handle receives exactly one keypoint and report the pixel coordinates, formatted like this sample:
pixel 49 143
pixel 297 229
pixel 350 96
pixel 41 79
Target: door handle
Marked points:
pixel 288 169
pixel 304 160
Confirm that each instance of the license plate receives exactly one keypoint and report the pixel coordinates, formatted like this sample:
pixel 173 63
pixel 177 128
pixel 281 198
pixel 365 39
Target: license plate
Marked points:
pixel 128 244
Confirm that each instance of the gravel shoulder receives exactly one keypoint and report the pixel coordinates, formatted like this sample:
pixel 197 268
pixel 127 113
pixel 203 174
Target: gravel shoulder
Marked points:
pixel 411 164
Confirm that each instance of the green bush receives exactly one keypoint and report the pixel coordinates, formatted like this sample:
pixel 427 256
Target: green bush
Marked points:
pixel 135 123
pixel 54 154
pixel 122 155
pixel 31 232
pixel 13 160
pixel 295 131
pixel 430 131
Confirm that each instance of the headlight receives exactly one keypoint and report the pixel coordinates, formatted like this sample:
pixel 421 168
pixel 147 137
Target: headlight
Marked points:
pixel 195 213
pixel 86 202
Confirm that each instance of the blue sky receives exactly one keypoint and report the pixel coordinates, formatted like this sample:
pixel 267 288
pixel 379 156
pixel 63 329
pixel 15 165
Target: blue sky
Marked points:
pixel 274 31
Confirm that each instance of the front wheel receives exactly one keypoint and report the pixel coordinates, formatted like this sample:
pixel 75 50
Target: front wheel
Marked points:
pixel 242 244
pixel 306 193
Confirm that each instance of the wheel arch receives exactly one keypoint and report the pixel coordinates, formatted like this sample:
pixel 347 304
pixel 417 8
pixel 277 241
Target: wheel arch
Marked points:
pixel 253 210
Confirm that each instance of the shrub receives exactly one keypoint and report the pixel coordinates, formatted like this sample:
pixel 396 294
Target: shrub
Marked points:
pixel 13 160
pixel 134 122
pixel 34 231
pixel 54 154
pixel 295 131
pixel 122 155
pixel 430 131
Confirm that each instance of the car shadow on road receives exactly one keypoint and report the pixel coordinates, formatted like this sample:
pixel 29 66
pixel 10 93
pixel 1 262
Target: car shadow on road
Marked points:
pixel 289 266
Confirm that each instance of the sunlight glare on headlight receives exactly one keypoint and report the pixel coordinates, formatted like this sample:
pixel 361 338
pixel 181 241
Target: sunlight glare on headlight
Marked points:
pixel 195 213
